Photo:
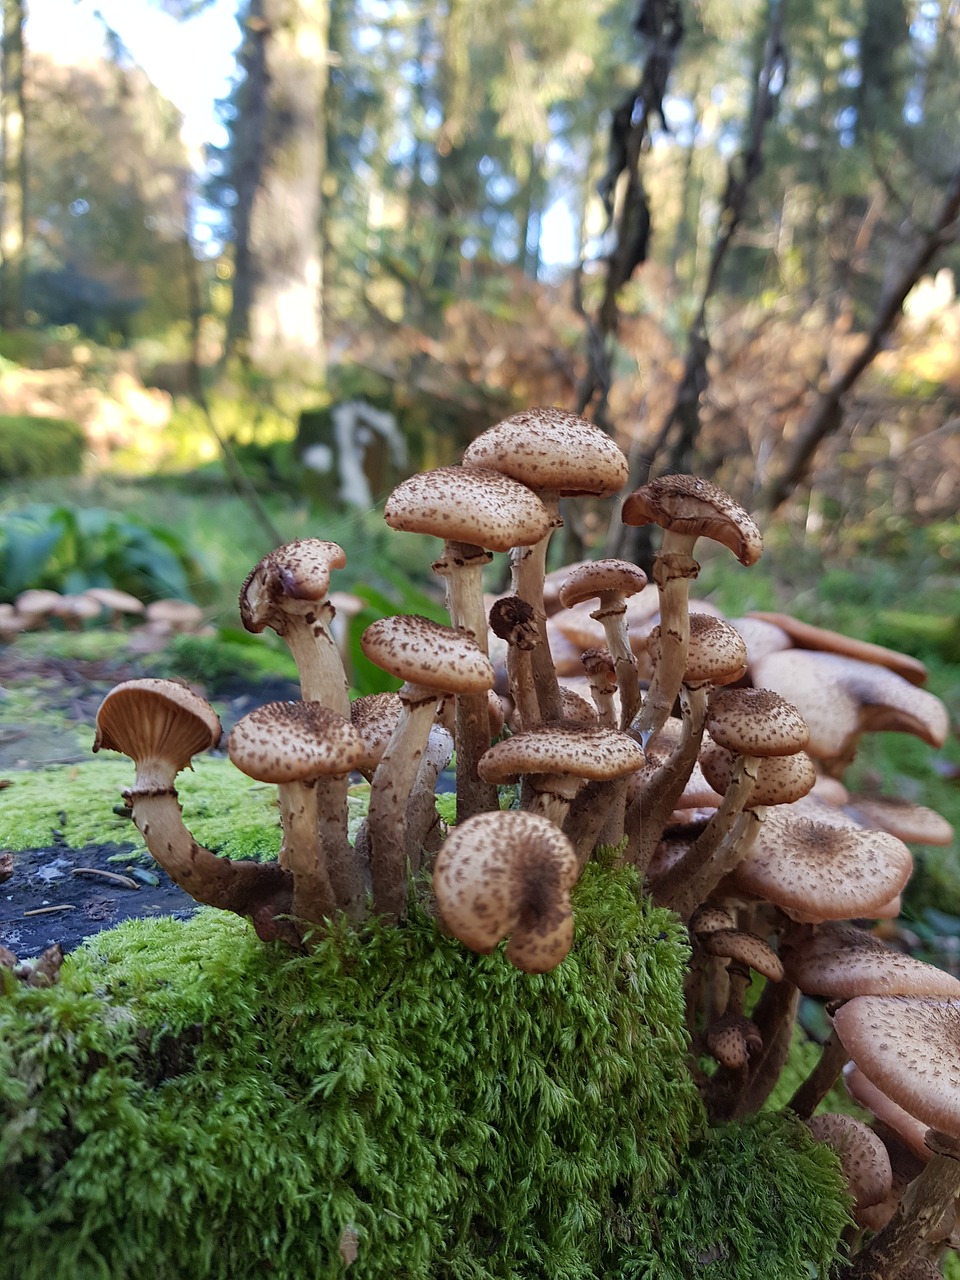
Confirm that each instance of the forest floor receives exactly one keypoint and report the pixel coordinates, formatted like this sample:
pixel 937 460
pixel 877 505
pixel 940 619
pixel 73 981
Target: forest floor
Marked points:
pixel 59 891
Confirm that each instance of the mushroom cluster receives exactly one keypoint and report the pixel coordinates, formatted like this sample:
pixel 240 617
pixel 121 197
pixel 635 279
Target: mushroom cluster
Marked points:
pixel 589 710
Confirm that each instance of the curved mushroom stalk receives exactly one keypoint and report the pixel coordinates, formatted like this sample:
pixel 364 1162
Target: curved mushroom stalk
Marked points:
pixel 422 818
pixel 161 725
pixel 508 874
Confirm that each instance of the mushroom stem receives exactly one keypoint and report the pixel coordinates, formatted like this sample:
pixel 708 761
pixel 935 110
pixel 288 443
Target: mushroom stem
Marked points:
pixel 673 570
pixel 513 620
pixel 596 816
pixel 320 666
pixel 612 616
pixel 774 1017
pixel 461 566
pixel 313 898
pixel 821 1079
pixel 528 566
pixel 472 738
pixel 262 890
pixel 921 1209
pixel 423 821
pixel 344 864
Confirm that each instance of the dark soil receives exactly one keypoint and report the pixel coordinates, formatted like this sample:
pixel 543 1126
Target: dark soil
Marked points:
pixel 62 894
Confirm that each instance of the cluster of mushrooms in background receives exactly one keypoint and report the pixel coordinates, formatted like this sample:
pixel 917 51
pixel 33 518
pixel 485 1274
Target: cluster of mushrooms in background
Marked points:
pixel 708 754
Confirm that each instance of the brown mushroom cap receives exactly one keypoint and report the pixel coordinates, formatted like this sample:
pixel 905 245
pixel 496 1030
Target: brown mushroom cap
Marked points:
pixel 475 505
pixel 375 716
pixel 584 751
pixel 419 651
pixel 708 918
pixel 150 718
pixel 716 653
pixel 841 698
pixel 745 948
pixel 907 1127
pixel 508 873
pixel 598 578
pixel 756 722
pixel 910 1049
pixel 732 1039
pixel 761 637
pixel 285 742
pixel 838 960
pixel 550 449
pixel 806 636
pixel 291 580
pixel 815 866
pixel 914 823
pixel 115 600
pixel 863 1157
pixel 694 507
pixel 779 780
pixel 177 615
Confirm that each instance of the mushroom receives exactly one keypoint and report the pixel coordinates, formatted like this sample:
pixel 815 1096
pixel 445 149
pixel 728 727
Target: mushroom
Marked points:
pixel 508 874
pixel 863 1157
pixel 308 751
pixel 838 960
pixel 612 582
pixel 288 591
pixel 803 635
pixel 557 454
pixel 162 725
pixel 686 508
pixel 119 604
pixel 168 616
pixel 432 660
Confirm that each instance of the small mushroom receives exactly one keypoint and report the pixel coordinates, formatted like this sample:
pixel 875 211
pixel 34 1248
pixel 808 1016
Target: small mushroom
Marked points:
pixel 508 874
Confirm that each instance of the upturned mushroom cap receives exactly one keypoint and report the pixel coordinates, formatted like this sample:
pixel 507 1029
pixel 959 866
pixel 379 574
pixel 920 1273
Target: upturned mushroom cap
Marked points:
pixel 840 698
pixel 599 578
pixel 779 780
pixel 475 505
pixel 550 449
pixel 694 507
pixel 914 823
pixel 506 874
pixel 285 742
pixel 419 651
pixel 156 719
pixel 910 1049
pixel 839 961
pixel 583 751
pixel 815 866
pixel 756 722
pixel 291 580
pixel 863 1157
pixel 716 653
pixel 806 636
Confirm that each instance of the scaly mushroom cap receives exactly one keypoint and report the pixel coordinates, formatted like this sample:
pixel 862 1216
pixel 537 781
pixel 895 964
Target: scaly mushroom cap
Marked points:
pixel 375 716
pixel 756 722
pixel 583 751
pixel 914 823
pixel 780 779
pixel 839 961
pixel 285 742
pixel 476 505
pixel 549 449
pixel 744 948
pixel 863 1157
pixel 908 1128
pixel 291 580
pixel 910 1049
pixel 695 508
pixel 716 653
pixel 709 918
pixel 426 653
pixel 156 719
pixel 815 866
pixel 732 1039
pixel 508 873
pixel 806 636
pixel 601 577
pixel 841 698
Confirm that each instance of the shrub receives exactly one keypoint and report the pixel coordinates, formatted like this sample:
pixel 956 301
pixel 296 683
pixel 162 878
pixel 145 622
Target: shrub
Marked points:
pixel 34 447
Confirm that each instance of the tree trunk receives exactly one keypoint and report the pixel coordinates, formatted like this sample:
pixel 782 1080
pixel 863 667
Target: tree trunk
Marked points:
pixel 277 314
pixel 13 197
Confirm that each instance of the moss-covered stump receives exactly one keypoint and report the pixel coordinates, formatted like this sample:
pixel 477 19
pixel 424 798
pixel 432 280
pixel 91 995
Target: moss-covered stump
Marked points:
pixel 189 1103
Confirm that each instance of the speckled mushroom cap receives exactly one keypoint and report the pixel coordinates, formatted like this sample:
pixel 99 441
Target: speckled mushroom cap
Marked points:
pixel 599 578
pixel 419 651
pixel 375 716
pixel 907 1127
pixel 285 742
pixel 910 1049
pixel 550 449
pixel 709 917
pixel 118 601
pixel 694 507
pixel 156 718
pixel 761 637
pixel 863 1157
pixel 732 1039
pixel 716 653
pixel 914 823
pixel 476 505
pixel 838 961
pixel 744 948
pixel 508 873
pixel 581 750
pixel 780 779
pixel 842 697
pixel 806 860
pixel 756 722
pixel 806 636
pixel 292 579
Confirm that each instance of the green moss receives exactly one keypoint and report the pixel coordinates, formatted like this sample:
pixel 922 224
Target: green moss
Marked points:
pixel 190 1103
